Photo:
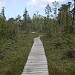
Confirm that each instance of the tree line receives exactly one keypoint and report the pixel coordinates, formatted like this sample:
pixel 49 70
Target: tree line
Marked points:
pixel 58 23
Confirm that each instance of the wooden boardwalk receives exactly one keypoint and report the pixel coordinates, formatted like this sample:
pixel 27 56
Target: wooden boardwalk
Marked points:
pixel 37 62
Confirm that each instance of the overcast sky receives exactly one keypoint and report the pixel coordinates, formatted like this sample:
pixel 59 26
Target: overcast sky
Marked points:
pixel 16 7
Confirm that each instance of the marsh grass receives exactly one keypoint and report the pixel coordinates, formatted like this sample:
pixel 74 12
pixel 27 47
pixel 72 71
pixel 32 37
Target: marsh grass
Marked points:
pixel 14 53
pixel 58 63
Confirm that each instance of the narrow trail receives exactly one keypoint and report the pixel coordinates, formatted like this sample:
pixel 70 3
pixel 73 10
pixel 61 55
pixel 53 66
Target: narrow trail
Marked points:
pixel 37 62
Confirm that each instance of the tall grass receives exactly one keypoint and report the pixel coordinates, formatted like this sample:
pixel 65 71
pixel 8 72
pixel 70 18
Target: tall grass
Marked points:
pixel 14 53
pixel 58 63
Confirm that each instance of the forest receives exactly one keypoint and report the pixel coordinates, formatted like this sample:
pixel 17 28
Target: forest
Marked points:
pixel 57 28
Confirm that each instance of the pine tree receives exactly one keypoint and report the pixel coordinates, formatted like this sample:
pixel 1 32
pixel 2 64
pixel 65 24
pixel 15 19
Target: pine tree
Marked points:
pixel 48 11
pixel 3 13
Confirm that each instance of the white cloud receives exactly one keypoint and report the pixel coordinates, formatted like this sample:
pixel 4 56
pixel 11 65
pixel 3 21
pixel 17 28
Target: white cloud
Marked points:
pixel 37 3
pixel 2 3
pixel 41 3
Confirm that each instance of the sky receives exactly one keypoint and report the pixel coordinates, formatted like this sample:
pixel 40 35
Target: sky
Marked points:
pixel 17 7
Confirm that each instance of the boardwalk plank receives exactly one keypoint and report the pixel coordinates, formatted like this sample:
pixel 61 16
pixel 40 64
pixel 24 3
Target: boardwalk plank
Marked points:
pixel 37 62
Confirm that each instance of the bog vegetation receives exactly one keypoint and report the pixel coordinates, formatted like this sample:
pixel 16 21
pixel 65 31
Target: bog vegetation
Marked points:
pixel 58 30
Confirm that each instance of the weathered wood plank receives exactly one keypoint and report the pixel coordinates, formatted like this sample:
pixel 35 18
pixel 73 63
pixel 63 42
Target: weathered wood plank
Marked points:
pixel 37 62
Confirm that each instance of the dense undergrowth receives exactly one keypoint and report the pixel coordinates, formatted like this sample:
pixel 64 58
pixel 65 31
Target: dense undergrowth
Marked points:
pixel 59 61
pixel 14 53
